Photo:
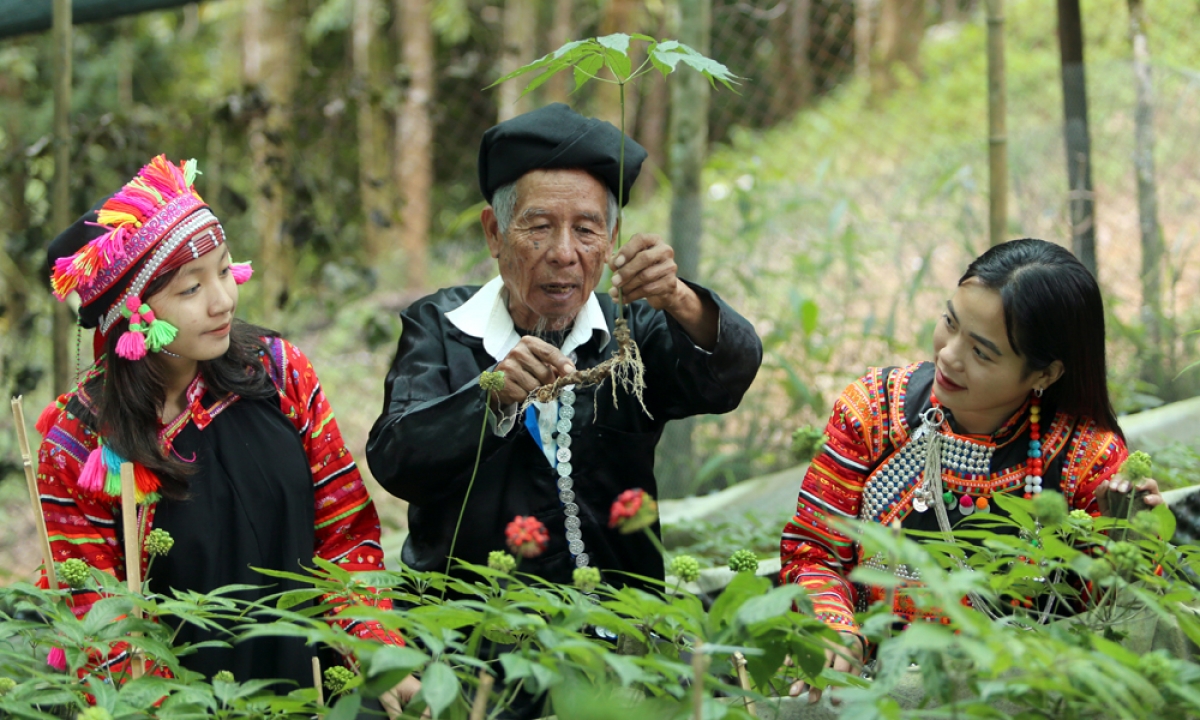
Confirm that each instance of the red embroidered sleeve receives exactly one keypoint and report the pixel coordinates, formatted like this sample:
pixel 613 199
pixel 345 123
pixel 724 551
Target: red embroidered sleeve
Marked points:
pixel 79 526
pixel 815 555
pixel 347 526
pixel 1093 456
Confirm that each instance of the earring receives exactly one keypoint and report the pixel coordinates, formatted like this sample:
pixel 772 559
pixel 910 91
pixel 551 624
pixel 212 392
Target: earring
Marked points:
pixel 1033 471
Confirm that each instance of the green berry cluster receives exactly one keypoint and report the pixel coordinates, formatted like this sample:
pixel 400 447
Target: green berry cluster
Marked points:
pixel 502 561
pixel 1137 467
pixel 159 542
pixel 807 441
pixel 586 578
pixel 336 679
pixel 1050 508
pixel 74 572
pixel 686 568
pixel 1156 667
pixel 492 381
pixel 6 685
pixel 224 676
pixel 1124 556
pixel 743 561
pixel 1080 520
pixel 94 713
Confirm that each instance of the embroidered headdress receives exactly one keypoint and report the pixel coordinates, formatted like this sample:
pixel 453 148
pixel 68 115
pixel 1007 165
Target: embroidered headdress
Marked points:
pixel 155 224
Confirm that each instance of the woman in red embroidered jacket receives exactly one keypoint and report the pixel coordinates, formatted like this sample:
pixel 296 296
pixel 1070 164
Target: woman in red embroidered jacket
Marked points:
pixel 1016 399
pixel 235 449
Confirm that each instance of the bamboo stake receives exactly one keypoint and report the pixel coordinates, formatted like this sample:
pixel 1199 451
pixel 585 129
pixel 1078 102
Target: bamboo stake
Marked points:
pixel 133 556
pixel 479 707
pixel 739 662
pixel 61 217
pixel 316 666
pixel 34 498
pixel 699 663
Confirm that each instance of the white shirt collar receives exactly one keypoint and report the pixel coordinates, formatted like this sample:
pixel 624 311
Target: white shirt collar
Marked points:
pixel 485 315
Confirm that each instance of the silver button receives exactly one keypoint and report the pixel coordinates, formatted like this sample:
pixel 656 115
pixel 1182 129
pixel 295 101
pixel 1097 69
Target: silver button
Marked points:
pixel 565 483
pixel 567 496
pixel 571 509
pixel 567 397
pixel 563 426
pixel 581 560
pixel 564 469
pixel 576 547
pixel 563 455
pixel 572 523
pixel 563 440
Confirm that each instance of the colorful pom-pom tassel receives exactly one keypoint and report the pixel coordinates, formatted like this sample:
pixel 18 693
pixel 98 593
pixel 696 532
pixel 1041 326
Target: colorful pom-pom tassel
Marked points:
pixel 147 483
pixel 112 477
pixel 160 334
pixel 132 344
pixel 241 272
pixel 91 478
pixel 57 659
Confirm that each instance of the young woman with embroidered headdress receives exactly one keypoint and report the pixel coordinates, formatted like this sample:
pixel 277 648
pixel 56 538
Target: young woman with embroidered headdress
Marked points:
pixel 234 446
pixel 1016 398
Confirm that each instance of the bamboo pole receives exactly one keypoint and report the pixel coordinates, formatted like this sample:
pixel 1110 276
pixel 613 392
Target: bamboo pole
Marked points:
pixel 479 707
pixel 61 206
pixel 133 555
pixel 739 662
pixel 699 664
pixel 997 132
pixel 316 667
pixel 34 498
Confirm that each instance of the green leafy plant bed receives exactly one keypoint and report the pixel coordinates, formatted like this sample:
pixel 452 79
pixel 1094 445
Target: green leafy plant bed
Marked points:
pixel 1129 652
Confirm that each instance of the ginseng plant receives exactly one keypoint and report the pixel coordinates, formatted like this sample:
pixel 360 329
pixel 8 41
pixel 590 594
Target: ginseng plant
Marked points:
pixel 609 59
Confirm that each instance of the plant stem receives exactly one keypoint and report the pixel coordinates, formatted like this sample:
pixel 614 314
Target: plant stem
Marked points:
pixel 657 543
pixel 487 413
pixel 621 192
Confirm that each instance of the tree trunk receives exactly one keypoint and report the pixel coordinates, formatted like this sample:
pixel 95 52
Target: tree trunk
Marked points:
pixel 1077 136
pixel 414 141
pixel 652 125
pixel 520 23
pixel 374 184
pixel 688 151
pixel 269 65
pixel 792 32
pixel 620 18
pixel 862 38
pixel 559 87
pixel 901 29
pixel 63 320
pixel 16 326
pixel 997 126
pixel 1153 367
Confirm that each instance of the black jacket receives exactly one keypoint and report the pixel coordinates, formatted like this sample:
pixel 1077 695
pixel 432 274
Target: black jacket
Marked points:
pixel 422 448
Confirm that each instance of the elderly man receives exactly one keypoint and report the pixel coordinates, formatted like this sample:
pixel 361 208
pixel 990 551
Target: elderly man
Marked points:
pixel 551 178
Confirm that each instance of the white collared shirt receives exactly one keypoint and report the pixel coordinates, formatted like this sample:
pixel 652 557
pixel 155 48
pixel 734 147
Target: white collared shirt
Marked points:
pixel 485 315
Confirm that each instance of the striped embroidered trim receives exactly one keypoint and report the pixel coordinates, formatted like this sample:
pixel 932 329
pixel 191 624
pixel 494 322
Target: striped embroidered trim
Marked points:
pixel 194 224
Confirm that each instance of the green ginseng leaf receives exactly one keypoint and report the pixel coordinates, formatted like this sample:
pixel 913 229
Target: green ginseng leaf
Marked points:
pixel 553 62
pixel 587 68
pixel 617 42
pixel 619 64
pixel 540 80
pixel 709 68
pixel 643 38
pixel 664 62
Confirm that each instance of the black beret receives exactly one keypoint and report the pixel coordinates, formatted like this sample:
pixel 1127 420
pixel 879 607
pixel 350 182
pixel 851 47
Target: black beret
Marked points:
pixel 70 241
pixel 556 137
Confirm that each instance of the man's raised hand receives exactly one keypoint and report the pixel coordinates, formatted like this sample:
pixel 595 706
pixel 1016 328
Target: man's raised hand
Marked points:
pixel 528 366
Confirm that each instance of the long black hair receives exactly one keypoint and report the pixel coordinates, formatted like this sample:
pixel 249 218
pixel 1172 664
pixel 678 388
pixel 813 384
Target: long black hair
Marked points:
pixel 128 396
pixel 1053 311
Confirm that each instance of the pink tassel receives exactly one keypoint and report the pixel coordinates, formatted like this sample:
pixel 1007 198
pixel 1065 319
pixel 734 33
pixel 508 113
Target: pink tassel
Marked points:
pixel 133 302
pixel 57 659
pixel 91 478
pixel 241 272
pixel 131 345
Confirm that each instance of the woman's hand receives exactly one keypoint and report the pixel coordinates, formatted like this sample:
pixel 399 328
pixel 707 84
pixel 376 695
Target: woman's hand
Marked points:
pixel 844 657
pixel 394 700
pixel 1118 484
